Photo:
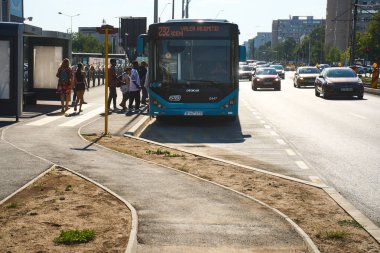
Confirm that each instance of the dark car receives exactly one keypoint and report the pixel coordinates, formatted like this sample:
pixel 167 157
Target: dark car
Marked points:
pixel 305 76
pixel 280 70
pixel 358 69
pixel 266 78
pixel 245 72
pixel 339 82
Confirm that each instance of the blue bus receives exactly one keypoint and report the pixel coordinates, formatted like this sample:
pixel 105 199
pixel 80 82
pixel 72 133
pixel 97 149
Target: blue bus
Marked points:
pixel 193 68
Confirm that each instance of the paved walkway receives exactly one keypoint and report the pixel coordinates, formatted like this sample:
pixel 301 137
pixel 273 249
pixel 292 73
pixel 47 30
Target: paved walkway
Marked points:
pixel 177 213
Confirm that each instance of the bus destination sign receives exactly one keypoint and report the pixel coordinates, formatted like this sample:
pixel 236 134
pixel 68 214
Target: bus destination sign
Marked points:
pixel 192 31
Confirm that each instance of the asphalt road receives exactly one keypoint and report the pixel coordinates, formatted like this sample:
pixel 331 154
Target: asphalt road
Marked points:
pixel 295 133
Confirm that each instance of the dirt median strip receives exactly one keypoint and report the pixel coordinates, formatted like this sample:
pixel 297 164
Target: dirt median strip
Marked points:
pixel 57 201
pixel 328 225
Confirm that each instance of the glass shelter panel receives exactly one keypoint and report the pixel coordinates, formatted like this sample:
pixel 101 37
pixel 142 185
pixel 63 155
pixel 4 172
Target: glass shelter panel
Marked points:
pixel 46 63
pixel 5 69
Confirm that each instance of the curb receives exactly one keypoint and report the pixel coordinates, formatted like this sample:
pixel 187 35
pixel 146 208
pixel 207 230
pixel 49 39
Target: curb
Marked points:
pixel 372 91
pixel 132 242
pixel 137 129
pixel 357 215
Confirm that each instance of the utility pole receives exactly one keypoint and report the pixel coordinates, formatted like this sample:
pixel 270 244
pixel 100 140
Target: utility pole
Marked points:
pixel 187 8
pixel 173 9
pixel 353 35
pixel 155 11
pixel 183 9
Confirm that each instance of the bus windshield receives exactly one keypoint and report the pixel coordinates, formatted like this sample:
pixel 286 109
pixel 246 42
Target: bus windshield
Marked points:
pixel 187 61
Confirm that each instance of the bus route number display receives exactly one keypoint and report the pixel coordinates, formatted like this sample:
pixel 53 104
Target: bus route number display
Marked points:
pixel 191 30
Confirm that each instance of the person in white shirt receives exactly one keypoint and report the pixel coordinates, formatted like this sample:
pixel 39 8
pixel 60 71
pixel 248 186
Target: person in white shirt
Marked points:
pixel 124 87
pixel 134 88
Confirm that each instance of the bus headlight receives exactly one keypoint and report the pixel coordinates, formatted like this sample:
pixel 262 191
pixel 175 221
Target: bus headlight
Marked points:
pixel 229 104
pixel 156 103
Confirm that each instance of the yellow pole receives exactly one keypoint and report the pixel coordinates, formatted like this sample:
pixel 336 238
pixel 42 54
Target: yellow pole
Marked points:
pixel 106 85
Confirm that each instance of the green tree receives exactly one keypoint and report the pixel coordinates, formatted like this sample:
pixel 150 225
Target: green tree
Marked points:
pixel 334 55
pixel 368 43
pixel 86 44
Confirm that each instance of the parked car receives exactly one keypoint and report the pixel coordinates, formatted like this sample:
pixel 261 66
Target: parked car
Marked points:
pixel 339 82
pixel 266 78
pixel 358 69
pixel 323 66
pixel 280 70
pixel 305 76
pixel 245 72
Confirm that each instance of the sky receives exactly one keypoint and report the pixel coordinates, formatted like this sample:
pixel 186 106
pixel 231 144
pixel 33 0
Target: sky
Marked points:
pixel 252 16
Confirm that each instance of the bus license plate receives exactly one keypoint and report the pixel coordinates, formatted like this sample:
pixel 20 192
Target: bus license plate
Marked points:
pixel 193 113
pixel 346 89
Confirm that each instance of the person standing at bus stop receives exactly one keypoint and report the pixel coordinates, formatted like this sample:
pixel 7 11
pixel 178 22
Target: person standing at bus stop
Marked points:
pixel 142 75
pixel 134 88
pixel 65 83
pixel 112 84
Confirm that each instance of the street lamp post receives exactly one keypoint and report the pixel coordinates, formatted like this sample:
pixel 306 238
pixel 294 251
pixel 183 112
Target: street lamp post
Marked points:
pixel 159 19
pixel 218 13
pixel 71 20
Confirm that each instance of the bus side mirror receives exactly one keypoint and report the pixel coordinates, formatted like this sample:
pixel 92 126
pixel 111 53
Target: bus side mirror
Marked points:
pixel 242 54
pixel 141 40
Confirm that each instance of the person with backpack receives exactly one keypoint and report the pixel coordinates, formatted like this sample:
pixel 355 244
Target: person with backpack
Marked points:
pixel 65 83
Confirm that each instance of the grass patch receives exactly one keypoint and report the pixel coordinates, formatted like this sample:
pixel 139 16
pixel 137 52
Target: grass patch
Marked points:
pixel 334 235
pixel 69 237
pixel 183 168
pixel 162 152
pixel 11 206
pixel 350 223
pixel 69 187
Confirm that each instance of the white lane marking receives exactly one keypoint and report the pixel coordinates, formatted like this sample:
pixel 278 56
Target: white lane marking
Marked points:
pixel 262 121
pixel 357 116
pixel 273 133
pixel 79 119
pixel 258 117
pixel 281 141
pixel 44 120
pixel 267 126
pixel 290 152
pixel 302 165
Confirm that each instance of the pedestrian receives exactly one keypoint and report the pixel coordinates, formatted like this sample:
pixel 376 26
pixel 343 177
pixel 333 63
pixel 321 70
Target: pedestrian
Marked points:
pixel 98 72
pixel 112 84
pixel 142 75
pixel 134 89
pixel 124 87
pixel 92 76
pixel 80 86
pixel 65 83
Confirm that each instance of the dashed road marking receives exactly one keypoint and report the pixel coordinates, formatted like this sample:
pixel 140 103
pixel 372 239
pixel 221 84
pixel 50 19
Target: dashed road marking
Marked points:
pixel 358 116
pixel 258 117
pixel 267 126
pixel 281 141
pixel 273 133
pixel 262 121
pixel 290 152
pixel 302 165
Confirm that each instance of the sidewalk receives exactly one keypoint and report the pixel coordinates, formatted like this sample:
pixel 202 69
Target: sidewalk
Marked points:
pixel 176 212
